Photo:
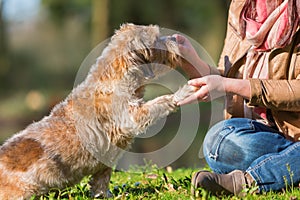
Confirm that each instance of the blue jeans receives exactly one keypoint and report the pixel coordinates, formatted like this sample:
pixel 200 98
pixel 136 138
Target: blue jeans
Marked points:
pixel 247 145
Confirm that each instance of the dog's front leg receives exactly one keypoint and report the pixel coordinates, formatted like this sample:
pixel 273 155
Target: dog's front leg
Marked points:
pixel 99 183
pixel 161 106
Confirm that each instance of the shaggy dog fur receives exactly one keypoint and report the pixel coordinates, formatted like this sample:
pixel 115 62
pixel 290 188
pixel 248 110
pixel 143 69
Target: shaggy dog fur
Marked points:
pixel 86 133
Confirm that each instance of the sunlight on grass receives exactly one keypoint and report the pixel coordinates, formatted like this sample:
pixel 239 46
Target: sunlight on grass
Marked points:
pixel 150 182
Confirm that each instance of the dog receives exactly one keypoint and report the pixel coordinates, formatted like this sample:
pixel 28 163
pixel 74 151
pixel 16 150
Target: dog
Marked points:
pixel 87 132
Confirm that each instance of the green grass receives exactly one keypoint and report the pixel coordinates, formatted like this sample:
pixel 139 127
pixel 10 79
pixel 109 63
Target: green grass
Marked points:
pixel 149 182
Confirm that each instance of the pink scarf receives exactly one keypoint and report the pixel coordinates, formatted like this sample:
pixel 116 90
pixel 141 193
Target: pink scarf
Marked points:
pixel 266 24
pixel 269 24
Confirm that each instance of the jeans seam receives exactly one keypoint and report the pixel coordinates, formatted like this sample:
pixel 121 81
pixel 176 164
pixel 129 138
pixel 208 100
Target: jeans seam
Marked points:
pixel 252 170
pixel 252 125
pixel 271 157
pixel 257 179
pixel 214 155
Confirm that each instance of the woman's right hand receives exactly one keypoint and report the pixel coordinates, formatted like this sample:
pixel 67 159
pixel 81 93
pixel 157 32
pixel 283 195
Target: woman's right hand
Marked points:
pixel 215 86
pixel 192 64
pixel 209 87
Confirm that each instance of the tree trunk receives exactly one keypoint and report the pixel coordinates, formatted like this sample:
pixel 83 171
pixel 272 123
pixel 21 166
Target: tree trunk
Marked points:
pixel 100 13
pixel 4 61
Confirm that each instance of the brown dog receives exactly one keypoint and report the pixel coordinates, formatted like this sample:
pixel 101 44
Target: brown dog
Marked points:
pixel 85 134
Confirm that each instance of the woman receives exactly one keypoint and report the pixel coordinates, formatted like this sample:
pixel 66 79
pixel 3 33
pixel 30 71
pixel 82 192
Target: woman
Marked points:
pixel 257 144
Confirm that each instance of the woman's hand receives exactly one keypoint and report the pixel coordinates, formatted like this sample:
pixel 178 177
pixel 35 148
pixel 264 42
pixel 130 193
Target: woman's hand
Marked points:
pixel 191 63
pixel 215 86
pixel 210 87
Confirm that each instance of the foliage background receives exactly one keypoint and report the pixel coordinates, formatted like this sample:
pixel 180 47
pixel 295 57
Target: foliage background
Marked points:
pixel 40 54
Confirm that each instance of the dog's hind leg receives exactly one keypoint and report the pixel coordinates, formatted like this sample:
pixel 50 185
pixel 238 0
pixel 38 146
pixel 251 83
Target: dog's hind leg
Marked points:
pixel 99 183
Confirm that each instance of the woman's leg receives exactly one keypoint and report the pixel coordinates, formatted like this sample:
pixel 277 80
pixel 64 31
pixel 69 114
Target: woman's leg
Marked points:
pixel 236 143
pixel 275 171
pixel 250 146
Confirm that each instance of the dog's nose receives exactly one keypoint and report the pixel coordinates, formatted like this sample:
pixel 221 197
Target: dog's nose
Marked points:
pixel 173 39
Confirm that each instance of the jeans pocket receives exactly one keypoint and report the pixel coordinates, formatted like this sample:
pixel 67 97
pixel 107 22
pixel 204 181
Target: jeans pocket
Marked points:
pixel 212 144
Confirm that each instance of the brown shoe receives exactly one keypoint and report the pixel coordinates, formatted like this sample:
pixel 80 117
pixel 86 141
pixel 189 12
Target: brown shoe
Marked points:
pixel 232 183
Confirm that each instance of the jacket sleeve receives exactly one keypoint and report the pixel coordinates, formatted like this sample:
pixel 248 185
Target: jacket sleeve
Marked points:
pixel 280 95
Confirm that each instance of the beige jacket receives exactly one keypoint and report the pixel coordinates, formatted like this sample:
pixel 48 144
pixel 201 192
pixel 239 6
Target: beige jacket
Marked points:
pixel 280 93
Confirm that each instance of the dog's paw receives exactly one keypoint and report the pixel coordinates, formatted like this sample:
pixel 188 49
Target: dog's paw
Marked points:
pixel 162 104
pixel 184 92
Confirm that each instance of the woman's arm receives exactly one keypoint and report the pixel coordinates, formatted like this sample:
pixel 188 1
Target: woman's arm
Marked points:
pixel 281 95
pixel 192 64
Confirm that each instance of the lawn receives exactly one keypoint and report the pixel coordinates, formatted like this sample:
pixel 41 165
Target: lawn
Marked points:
pixel 150 182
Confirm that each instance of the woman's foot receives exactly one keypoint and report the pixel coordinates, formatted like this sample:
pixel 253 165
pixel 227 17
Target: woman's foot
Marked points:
pixel 233 183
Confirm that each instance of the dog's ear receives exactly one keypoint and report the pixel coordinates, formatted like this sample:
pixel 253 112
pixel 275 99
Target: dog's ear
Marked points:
pixel 130 26
pixel 127 26
pixel 123 29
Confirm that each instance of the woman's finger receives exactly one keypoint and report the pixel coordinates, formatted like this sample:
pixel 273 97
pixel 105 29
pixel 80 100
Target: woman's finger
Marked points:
pixel 197 82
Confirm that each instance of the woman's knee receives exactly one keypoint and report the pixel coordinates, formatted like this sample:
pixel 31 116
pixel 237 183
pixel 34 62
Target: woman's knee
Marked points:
pixel 223 147
pixel 223 129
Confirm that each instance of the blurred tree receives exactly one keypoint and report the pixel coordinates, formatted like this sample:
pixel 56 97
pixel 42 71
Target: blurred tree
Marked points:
pixel 4 60
pixel 96 13
pixel 100 14
pixel 204 21
pixel 2 30
pixel 199 19
pixel 62 10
